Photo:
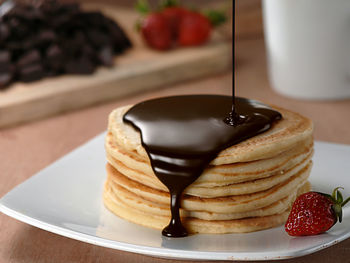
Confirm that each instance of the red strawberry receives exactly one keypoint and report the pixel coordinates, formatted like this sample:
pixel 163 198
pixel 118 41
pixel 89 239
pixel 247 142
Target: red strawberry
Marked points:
pixel 156 31
pixel 194 29
pixel 314 213
pixel 174 15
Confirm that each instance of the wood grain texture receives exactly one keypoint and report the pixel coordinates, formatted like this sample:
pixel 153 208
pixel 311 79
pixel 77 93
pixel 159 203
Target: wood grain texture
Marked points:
pixel 26 149
pixel 138 69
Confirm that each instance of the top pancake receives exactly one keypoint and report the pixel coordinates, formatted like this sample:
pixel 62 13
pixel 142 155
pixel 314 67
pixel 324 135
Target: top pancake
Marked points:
pixel 291 129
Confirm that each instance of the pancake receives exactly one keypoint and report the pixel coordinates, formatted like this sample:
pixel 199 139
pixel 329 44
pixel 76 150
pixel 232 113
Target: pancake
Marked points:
pixel 283 135
pixel 224 188
pixel 156 208
pixel 195 225
pixel 218 175
pixel 226 204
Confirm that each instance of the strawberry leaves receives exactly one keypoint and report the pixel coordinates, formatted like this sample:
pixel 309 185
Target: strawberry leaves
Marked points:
pixel 143 7
pixel 215 17
pixel 338 203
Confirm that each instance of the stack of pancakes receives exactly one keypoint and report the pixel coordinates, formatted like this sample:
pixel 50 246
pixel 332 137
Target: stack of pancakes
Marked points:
pixel 248 187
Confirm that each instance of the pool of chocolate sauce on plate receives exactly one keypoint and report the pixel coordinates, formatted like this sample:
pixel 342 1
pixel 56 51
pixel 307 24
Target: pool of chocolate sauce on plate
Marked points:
pixel 183 134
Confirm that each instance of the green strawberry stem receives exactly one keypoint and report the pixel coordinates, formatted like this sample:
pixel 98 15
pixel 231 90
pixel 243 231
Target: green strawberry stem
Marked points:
pixel 337 194
pixel 345 202
pixel 216 17
pixel 338 203
pixel 138 25
pixel 168 3
pixel 143 7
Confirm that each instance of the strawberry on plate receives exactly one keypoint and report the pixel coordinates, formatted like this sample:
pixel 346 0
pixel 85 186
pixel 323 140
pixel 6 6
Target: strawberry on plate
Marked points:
pixel 314 213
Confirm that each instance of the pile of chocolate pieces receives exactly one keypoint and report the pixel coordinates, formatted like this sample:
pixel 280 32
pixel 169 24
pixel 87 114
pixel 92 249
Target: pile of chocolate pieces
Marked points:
pixel 48 38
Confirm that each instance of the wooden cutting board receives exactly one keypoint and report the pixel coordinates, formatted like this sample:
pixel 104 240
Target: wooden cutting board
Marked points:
pixel 139 69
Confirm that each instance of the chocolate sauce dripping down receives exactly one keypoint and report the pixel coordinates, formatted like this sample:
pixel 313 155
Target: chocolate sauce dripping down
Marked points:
pixel 182 134
pixel 233 118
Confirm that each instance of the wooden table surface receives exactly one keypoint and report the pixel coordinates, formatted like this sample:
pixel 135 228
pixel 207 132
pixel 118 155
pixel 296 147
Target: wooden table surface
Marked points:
pixel 26 149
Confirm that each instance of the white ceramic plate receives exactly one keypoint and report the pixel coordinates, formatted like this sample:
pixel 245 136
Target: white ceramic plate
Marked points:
pixel 65 198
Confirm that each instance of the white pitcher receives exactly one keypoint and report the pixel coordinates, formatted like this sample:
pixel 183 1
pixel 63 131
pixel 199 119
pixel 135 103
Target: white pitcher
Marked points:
pixel 308 47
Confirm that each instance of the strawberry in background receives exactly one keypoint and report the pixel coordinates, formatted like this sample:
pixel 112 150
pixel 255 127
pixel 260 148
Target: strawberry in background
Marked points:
pixel 194 29
pixel 156 31
pixel 174 14
pixel 172 24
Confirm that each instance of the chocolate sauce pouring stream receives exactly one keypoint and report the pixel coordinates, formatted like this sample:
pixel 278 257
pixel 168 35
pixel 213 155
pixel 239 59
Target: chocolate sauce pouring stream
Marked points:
pixel 233 118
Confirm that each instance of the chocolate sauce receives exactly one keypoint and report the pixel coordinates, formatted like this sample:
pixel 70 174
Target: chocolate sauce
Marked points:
pixel 233 117
pixel 183 134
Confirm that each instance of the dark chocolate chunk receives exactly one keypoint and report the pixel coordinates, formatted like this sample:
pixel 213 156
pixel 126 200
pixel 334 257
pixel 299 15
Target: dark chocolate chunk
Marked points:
pixel 14 45
pixel 79 38
pixel 54 57
pixel 39 40
pixel 58 8
pixel 60 20
pixel 26 12
pixel 79 66
pixel 5 78
pixel 4 32
pixel 5 56
pixel 97 38
pixel 32 56
pixel 14 22
pixel 5 61
pixel 94 18
pixel 46 36
pixel 74 44
pixel 89 51
pixel 52 73
pixel 53 52
pixel 31 72
pixel 31 42
pixel 6 67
